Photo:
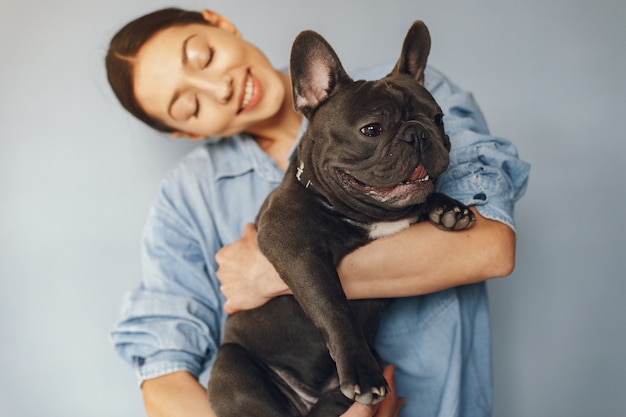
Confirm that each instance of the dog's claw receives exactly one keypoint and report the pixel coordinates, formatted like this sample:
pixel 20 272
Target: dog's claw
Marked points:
pixel 374 396
pixel 369 398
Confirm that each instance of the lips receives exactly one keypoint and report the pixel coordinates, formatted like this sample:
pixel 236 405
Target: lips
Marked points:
pixel 417 184
pixel 251 93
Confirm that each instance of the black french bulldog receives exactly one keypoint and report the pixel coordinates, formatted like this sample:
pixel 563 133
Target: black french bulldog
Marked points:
pixel 364 169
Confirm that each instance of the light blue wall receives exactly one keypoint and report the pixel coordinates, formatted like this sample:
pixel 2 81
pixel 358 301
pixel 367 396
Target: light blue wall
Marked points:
pixel 77 177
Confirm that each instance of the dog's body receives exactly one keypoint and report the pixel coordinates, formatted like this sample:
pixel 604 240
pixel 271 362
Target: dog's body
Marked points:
pixel 364 169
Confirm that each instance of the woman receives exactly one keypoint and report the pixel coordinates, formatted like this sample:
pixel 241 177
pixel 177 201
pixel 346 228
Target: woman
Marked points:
pixel 193 75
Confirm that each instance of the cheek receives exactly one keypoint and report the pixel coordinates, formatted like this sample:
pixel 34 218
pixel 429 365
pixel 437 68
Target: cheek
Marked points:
pixel 275 98
pixel 214 121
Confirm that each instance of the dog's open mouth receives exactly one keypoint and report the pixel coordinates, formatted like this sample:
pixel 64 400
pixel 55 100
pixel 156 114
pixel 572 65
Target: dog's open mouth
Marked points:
pixel 417 183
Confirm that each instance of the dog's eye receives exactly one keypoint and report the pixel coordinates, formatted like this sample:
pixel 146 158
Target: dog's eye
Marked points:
pixel 438 119
pixel 372 130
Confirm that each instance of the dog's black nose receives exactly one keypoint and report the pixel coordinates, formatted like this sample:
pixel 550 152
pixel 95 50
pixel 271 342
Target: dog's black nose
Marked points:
pixel 416 136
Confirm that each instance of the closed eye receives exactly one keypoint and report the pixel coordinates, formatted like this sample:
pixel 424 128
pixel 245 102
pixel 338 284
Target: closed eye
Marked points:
pixel 196 52
pixel 209 58
pixel 184 106
pixel 197 111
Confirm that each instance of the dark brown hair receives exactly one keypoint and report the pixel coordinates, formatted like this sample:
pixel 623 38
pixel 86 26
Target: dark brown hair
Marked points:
pixel 123 50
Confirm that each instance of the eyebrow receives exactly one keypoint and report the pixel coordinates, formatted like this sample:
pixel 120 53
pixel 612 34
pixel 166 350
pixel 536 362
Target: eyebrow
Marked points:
pixel 183 60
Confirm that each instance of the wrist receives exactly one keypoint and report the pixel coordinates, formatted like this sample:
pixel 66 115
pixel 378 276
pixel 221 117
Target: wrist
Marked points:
pixel 278 288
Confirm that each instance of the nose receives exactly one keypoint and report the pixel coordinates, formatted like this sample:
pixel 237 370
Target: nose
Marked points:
pixel 220 87
pixel 416 136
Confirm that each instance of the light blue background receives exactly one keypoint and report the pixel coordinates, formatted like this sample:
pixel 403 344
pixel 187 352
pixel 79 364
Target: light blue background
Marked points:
pixel 77 176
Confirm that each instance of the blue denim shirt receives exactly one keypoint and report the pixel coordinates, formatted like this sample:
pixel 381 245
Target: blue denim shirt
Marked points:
pixel 440 343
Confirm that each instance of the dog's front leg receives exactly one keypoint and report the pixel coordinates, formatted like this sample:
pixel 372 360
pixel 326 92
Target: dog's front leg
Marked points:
pixel 309 270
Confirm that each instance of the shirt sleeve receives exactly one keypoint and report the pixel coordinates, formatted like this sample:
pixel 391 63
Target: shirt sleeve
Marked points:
pixel 485 171
pixel 173 320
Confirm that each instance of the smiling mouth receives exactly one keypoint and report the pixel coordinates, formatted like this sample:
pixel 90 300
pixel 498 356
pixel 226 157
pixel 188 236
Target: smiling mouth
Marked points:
pixel 248 93
pixel 417 180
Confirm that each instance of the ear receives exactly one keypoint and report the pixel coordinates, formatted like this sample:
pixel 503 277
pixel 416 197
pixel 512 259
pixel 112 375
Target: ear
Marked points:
pixel 222 22
pixel 183 135
pixel 415 50
pixel 315 72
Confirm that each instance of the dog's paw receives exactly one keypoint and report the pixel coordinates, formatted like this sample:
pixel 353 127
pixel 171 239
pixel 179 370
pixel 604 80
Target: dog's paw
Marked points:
pixel 369 397
pixel 366 385
pixel 449 214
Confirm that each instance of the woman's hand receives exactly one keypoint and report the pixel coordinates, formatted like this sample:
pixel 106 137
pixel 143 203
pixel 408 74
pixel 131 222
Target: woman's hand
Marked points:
pixel 248 279
pixel 390 407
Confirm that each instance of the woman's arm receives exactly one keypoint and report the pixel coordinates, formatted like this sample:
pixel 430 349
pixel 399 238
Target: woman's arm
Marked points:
pixel 424 259
pixel 388 267
pixel 175 394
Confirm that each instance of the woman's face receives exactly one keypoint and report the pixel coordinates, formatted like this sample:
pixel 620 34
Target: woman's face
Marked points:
pixel 206 81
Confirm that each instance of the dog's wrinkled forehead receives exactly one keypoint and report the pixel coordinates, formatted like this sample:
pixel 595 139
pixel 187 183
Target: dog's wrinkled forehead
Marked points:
pixel 360 101
pixel 408 88
pixel 395 96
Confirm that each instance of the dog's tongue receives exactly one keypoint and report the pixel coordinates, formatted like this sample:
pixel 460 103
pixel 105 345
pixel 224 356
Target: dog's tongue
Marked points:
pixel 419 173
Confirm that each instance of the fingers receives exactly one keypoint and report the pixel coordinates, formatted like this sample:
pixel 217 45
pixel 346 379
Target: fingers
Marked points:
pixel 249 229
pixel 360 410
pixel 248 280
pixel 228 308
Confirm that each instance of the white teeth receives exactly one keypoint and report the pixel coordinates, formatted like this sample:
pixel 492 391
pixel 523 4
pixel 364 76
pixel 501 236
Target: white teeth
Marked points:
pixel 247 96
pixel 426 178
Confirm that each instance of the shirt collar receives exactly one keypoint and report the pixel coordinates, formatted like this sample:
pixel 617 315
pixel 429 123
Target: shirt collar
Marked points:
pixel 239 154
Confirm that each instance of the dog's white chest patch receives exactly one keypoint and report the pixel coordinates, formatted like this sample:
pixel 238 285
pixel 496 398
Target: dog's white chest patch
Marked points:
pixel 382 229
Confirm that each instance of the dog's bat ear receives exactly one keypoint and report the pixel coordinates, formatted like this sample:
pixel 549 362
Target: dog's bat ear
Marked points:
pixel 315 72
pixel 415 50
